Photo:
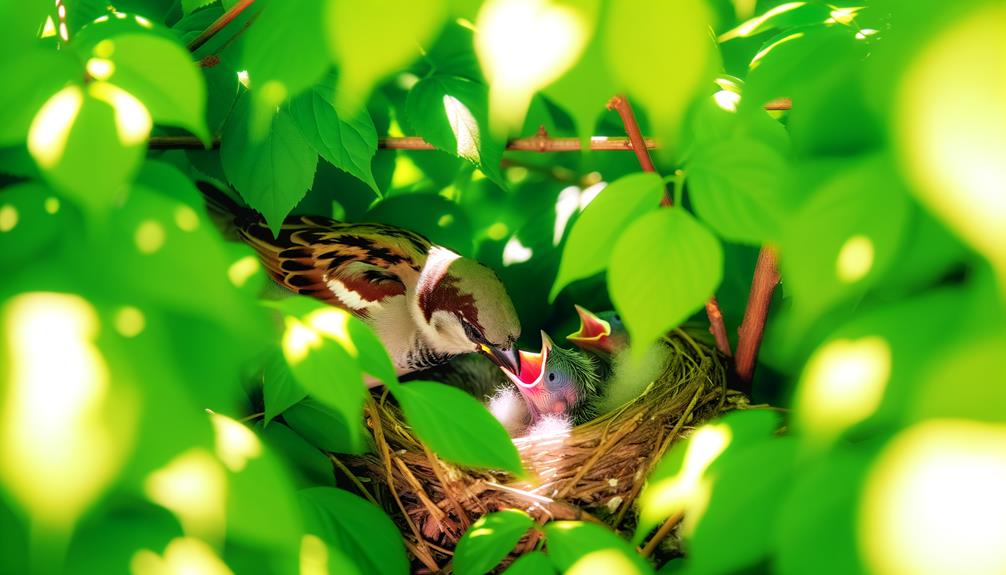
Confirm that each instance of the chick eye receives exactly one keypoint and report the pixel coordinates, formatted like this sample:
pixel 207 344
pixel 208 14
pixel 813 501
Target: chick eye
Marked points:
pixel 618 318
pixel 551 376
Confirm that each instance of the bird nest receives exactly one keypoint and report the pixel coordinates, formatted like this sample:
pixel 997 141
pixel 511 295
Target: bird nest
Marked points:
pixel 592 472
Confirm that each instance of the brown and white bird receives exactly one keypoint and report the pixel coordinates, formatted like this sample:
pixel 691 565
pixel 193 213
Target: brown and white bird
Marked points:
pixel 425 302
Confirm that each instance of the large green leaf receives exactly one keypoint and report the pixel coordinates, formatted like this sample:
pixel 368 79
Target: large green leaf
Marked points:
pixel 680 56
pixel 590 548
pixel 284 54
pixel 450 113
pixel 273 174
pixel 158 72
pixel 29 80
pixel 280 389
pixel 365 57
pixel 489 540
pixel 89 141
pixel 456 426
pixel 592 238
pixel 357 527
pixel 737 188
pixel 324 427
pixel 533 563
pixel 347 142
pixel 31 222
pixel 662 270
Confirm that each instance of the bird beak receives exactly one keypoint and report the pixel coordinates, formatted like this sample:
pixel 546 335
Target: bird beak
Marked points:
pixel 507 359
pixel 532 366
pixel 594 333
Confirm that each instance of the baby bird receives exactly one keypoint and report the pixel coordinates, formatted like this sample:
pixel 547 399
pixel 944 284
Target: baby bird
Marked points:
pixel 556 381
pixel 425 302
pixel 626 375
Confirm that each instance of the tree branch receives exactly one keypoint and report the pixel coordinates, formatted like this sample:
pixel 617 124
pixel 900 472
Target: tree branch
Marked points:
pixel 752 329
pixel 624 109
pixel 219 24
pixel 532 144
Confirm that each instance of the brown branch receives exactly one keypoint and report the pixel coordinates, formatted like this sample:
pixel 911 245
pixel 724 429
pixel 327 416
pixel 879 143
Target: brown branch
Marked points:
pixel 219 24
pixel 624 108
pixel 752 329
pixel 661 534
pixel 779 104
pixel 532 144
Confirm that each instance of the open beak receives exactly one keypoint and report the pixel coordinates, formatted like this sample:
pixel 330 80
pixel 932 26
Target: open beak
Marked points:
pixel 531 369
pixel 507 359
pixel 594 332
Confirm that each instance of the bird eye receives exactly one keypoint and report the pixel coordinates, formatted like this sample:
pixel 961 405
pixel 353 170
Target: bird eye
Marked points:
pixel 618 318
pixel 551 376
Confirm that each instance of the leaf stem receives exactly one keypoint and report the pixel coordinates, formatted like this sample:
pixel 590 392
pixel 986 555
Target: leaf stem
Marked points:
pixel 219 24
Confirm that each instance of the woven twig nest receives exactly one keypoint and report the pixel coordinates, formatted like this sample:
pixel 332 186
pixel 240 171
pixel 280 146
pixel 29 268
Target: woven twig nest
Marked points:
pixel 593 472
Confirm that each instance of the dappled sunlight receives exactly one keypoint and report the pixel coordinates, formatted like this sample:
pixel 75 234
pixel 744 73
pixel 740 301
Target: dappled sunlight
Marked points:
pixel 767 49
pixel 727 100
pixel 186 219
pixel 129 321
pixel 745 29
pixel 571 200
pixel 843 383
pixel 8 217
pixel 603 561
pixel 953 154
pixel 235 443
pixel 183 556
pixel 100 68
pixel 333 323
pixel 193 486
pixel 51 205
pixel 58 450
pixel 242 270
pixel 514 252
pixel 132 120
pixel 934 501
pixel 688 490
pixel 313 555
pixel 523 46
pixel 465 128
pixel 298 340
pixel 855 259
pixel 149 236
pixel 51 126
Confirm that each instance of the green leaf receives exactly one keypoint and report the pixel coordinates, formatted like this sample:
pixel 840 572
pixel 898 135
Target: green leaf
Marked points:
pixel 31 222
pixel 533 563
pixel 357 527
pixel 451 113
pixel 348 144
pixel 323 358
pixel 279 387
pixel 788 15
pixel 365 57
pixel 680 56
pixel 591 548
pixel 586 87
pixel 663 269
pixel 191 5
pixel 312 466
pixel 737 188
pixel 592 238
pixel 89 141
pixel 29 80
pixel 456 426
pixel 284 54
pixel 272 175
pixel 489 540
pixel 323 427
pixel 158 72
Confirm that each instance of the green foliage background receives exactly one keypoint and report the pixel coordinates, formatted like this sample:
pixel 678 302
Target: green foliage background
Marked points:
pixel 157 413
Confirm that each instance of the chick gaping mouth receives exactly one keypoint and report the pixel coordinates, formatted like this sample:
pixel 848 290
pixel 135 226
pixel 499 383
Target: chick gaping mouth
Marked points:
pixel 532 367
pixel 592 328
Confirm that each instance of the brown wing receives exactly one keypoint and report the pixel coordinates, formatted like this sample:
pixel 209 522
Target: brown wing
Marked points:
pixel 353 266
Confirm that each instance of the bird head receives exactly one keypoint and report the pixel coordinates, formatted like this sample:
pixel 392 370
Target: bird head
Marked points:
pixel 603 333
pixel 555 380
pixel 461 306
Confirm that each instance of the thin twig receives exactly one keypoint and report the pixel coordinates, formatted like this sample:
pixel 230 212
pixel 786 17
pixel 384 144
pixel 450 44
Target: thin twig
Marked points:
pixel 219 24
pixel 532 144
pixel 624 108
pixel 353 478
pixel 661 533
pixel 752 329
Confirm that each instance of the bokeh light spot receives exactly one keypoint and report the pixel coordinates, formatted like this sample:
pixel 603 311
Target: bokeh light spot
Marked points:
pixel 497 231
pixel 51 126
pixel 51 205
pixel 186 218
pixel 193 486
pixel 242 270
pixel 149 237
pixel 183 556
pixel 855 259
pixel 100 68
pixel 8 217
pixel 132 120
pixel 130 321
pixel 235 443
pixel 313 556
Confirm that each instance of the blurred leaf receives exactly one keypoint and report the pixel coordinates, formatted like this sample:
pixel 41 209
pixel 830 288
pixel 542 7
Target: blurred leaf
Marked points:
pixel 489 540
pixel 348 144
pixel 323 427
pixel 273 174
pixel 159 73
pixel 736 187
pixel 592 237
pixel 533 563
pixel 284 54
pixel 363 57
pixel 222 88
pixel 453 54
pixel 280 389
pixel 83 12
pixel 107 543
pixel 29 80
pixel 966 382
pixel 31 222
pixel 680 57
pixel 437 218
pixel 191 5
pixel 788 15
pixel 21 23
pixel 451 113
pixel 357 527
pixel 576 547
pixel 308 461
pixel 663 268
pixel 456 426
pixel 89 142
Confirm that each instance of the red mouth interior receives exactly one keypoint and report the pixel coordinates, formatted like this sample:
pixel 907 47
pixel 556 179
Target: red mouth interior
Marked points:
pixel 591 327
pixel 531 365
